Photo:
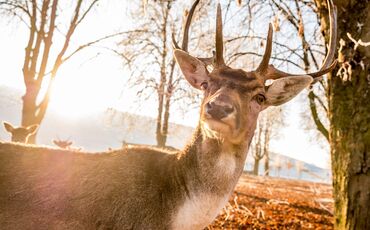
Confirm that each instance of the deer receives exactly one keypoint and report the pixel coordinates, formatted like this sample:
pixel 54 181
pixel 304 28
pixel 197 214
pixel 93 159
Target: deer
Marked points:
pixel 20 134
pixel 63 144
pixel 66 144
pixel 141 187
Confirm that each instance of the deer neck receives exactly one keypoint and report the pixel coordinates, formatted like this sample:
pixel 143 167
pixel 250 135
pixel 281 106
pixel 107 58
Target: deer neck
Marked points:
pixel 213 164
pixel 208 170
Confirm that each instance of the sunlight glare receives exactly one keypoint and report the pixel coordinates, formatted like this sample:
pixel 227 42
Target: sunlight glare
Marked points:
pixel 82 90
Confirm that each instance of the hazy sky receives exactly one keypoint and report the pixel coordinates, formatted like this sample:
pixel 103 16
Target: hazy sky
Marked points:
pixel 88 83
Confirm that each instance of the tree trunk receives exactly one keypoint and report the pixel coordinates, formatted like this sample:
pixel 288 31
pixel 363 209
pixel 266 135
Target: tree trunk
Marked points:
pixel 167 105
pixel 29 107
pixel 349 115
pixel 266 145
pixel 256 166
pixel 161 134
pixel 267 164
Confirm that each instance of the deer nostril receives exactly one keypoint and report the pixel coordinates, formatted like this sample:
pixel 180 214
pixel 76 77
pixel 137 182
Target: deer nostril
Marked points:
pixel 218 111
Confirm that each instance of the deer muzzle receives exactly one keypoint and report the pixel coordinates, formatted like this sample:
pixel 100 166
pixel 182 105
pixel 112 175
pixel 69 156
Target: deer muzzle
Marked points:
pixel 219 107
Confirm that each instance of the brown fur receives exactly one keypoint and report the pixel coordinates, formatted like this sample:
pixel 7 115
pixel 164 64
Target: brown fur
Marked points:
pixel 58 189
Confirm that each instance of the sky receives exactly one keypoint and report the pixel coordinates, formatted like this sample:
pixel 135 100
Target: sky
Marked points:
pixel 89 83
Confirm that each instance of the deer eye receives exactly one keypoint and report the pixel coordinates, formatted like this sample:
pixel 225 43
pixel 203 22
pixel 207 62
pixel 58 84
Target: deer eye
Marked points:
pixel 260 98
pixel 204 85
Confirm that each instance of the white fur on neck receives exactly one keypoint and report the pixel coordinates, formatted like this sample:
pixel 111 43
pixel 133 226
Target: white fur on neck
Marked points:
pixel 201 208
pixel 226 164
pixel 198 211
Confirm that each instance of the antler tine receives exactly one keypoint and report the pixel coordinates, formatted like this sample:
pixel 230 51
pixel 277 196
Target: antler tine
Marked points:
pixel 329 62
pixel 185 39
pixel 266 56
pixel 219 38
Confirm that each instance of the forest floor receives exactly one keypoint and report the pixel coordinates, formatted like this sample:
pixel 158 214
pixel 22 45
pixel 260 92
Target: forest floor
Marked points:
pixel 275 203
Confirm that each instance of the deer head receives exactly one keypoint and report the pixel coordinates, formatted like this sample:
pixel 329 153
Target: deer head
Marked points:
pixel 20 134
pixel 233 98
pixel 64 144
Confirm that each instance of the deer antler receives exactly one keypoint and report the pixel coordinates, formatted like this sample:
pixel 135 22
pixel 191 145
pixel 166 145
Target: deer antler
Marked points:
pixel 185 39
pixel 270 72
pixel 219 39
pixel 263 66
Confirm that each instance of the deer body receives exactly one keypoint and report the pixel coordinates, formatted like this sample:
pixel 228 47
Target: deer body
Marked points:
pixel 133 188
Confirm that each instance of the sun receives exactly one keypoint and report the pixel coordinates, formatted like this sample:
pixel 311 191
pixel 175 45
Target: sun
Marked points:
pixel 82 90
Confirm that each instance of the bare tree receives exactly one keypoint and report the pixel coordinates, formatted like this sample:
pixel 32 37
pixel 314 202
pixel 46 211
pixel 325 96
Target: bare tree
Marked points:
pixel 267 128
pixel 257 149
pixel 40 67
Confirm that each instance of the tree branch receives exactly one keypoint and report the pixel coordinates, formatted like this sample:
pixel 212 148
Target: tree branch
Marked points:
pixel 40 37
pixel 70 32
pixel 86 12
pixel 320 126
pixel 81 47
pixel 48 42
pixel 239 54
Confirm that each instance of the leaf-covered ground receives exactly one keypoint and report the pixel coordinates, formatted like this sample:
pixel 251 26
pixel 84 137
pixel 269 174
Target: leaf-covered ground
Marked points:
pixel 271 203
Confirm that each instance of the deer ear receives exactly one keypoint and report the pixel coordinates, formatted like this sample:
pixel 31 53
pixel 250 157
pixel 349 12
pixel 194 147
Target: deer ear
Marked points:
pixel 194 70
pixel 32 129
pixel 8 127
pixel 284 89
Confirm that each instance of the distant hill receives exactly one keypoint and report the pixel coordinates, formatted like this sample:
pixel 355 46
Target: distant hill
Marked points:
pixel 287 167
pixel 110 128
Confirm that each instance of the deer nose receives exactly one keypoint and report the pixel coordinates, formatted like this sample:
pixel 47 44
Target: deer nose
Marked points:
pixel 218 109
